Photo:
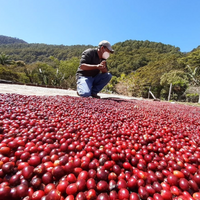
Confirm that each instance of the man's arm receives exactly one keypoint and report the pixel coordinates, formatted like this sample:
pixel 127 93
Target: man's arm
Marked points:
pixel 100 66
pixel 85 66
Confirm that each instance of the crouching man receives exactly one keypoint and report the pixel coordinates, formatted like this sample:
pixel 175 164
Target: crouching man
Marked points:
pixel 92 74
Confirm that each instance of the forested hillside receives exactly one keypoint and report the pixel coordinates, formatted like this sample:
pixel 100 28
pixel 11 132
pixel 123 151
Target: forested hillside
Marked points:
pixel 136 66
pixel 132 54
pixel 31 53
pixel 10 40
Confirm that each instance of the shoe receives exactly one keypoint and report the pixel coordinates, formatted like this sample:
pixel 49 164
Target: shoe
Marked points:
pixel 96 96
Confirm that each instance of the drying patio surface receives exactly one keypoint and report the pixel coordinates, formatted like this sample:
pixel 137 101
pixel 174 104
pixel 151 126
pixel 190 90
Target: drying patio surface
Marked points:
pixel 41 91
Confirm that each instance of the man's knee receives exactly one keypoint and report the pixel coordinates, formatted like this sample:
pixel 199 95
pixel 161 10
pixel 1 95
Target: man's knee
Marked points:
pixel 110 76
pixel 107 77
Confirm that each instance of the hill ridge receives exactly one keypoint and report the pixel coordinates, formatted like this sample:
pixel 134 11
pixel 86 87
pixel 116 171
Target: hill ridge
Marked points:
pixel 10 40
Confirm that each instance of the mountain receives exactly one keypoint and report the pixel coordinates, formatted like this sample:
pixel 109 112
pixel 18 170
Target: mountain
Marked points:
pixel 10 40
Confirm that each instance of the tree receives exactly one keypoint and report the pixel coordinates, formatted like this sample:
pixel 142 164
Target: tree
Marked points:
pixel 5 59
pixel 7 74
pixel 69 68
pixel 150 75
pixel 193 75
pixel 192 58
pixel 19 63
pixel 32 73
pixel 179 82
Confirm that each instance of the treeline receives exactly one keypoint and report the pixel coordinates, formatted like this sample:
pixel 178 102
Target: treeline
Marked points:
pixel 136 66
pixel 10 40
pixel 31 53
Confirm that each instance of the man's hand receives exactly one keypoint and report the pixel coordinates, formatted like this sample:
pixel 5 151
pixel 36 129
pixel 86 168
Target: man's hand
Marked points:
pixel 102 67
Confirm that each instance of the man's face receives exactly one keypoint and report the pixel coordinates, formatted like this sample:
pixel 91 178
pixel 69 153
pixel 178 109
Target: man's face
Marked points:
pixel 105 49
pixel 105 52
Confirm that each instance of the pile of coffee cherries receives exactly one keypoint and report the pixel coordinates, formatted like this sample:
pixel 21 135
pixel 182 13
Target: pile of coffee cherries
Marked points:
pixel 73 148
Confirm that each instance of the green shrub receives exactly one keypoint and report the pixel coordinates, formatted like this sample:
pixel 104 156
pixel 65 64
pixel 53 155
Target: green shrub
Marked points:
pixel 23 78
pixel 7 74
pixel 192 97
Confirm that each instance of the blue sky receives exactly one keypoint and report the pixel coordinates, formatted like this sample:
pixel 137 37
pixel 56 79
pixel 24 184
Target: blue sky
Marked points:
pixel 77 22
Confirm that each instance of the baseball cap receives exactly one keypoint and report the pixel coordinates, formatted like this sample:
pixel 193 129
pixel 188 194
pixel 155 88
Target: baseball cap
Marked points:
pixel 105 43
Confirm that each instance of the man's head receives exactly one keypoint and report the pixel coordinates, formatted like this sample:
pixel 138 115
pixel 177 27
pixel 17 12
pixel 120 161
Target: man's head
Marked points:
pixel 106 44
pixel 105 49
